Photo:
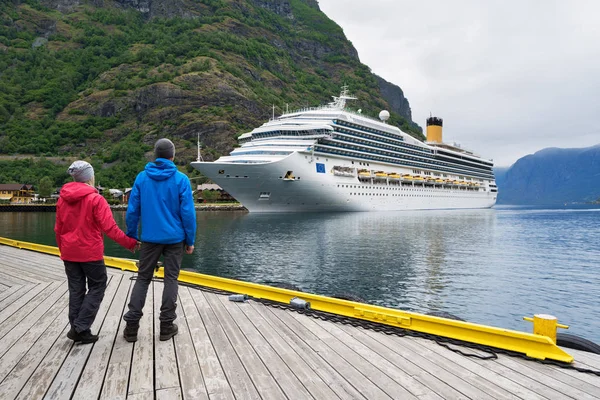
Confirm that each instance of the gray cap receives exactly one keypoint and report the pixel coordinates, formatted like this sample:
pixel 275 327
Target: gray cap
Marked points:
pixel 164 148
pixel 81 171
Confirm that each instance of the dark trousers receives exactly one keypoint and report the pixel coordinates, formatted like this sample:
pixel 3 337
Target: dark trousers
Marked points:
pixel 83 306
pixel 149 255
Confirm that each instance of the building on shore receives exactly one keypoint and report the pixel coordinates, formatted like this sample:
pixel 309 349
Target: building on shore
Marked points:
pixel 16 193
pixel 214 191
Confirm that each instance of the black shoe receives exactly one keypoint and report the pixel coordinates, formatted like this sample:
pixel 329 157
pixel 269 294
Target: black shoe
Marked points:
pixel 167 331
pixel 87 337
pixel 130 332
pixel 73 335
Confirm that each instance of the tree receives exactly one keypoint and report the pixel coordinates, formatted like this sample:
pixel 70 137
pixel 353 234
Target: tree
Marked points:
pixel 46 187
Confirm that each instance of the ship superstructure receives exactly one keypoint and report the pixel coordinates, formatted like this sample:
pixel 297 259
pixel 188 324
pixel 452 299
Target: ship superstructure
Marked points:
pixel 331 159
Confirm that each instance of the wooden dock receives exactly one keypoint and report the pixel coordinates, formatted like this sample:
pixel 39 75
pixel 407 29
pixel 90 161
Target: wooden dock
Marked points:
pixel 227 350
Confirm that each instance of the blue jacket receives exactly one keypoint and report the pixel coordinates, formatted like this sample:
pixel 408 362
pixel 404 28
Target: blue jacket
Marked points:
pixel 162 197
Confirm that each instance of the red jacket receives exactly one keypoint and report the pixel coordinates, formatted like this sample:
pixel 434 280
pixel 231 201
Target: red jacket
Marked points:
pixel 82 215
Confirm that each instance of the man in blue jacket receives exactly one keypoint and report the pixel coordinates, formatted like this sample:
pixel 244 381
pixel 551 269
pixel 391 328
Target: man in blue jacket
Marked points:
pixel 162 198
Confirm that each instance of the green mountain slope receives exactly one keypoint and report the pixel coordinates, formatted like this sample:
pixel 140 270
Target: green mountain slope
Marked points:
pixel 102 80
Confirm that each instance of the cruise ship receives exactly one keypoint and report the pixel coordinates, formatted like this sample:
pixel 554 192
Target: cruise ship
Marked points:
pixel 329 158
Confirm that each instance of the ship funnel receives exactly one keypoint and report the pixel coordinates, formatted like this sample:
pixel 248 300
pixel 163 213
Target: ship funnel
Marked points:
pixel 434 129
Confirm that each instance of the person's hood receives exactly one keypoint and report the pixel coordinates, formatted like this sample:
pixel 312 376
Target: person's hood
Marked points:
pixel 160 169
pixel 75 191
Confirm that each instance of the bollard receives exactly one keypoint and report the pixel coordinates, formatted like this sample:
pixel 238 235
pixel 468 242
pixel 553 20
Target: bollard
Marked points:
pixel 545 325
pixel 300 304
pixel 238 297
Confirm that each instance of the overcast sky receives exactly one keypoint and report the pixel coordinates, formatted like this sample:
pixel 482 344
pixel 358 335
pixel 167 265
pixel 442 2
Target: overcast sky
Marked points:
pixel 509 77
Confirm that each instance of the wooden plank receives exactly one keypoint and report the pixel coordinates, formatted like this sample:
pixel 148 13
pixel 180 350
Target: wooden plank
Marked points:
pixel 317 340
pixel 15 318
pixel 215 380
pixel 12 279
pixel 455 374
pixel 265 383
pixel 27 316
pixel 41 273
pixel 27 272
pixel 165 361
pixel 104 350
pixel 169 394
pixel 577 382
pixel 287 380
pixel 358 355
pixel 66 378
pixel 31 338
pixel 22 301
pixel 238 377
pixel 141 381
pixel 334 380
pixel 589 360
pixel 262 336
pixel 117 375
pixel 37 384
pixel 16 295
pixel 526 376
pixel 435 351
pixel 20 374
pixel 9 292
pixel 192 383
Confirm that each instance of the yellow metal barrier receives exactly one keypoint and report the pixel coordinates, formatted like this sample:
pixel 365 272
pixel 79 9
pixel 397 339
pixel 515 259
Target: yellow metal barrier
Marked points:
pixel 533 345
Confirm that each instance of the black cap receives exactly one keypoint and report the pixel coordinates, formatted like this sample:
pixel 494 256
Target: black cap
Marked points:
pixel 164 148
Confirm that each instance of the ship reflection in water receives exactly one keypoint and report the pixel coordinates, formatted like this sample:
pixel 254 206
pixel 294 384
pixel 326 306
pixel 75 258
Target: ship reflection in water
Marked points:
pixel 404 259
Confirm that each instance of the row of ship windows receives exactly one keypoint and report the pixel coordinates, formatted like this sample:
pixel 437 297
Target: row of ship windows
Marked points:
pixel 400 155
pixel 401 188
pixel 399 141
pixel 365 129
pixel 345 136
pixel 395 143
pixel 402 195
pixel 394 161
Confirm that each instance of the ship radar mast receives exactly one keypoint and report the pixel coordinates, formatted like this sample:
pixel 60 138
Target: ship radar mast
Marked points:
pixel 339 103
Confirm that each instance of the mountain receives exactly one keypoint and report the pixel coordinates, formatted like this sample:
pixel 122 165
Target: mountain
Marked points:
pixel 552 176
pixel 103 79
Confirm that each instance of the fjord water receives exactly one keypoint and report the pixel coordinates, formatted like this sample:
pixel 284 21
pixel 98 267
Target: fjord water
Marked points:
pixel 486 266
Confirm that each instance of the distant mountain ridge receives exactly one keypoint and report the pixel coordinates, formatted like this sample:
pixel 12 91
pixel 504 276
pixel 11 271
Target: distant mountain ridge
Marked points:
pixel 552 176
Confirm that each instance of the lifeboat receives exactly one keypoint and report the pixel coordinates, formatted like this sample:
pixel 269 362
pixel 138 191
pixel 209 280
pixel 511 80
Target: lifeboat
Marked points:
pixel 394 175
pixel 364 172
pixel 381 175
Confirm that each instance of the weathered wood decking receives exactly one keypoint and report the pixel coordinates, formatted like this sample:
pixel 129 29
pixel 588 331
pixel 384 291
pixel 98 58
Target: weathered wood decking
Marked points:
pixel 227 350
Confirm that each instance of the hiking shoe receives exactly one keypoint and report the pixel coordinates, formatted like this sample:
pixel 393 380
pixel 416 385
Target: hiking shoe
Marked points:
pixel 130 332
pixel 87 337
pixel 167 331
pixel 73 335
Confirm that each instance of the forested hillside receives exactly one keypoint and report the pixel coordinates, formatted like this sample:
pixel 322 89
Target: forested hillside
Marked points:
pixel 103 83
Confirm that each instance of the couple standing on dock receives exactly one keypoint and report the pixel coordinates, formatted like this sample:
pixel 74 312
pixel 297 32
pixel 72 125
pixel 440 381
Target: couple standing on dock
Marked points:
pixel 162 199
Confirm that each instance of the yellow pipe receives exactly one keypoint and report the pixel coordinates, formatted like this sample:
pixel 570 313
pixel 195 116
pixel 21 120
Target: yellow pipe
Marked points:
pixel 533 345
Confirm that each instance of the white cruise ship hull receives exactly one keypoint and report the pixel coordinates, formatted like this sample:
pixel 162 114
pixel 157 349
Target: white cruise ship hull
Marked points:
pixel 302 182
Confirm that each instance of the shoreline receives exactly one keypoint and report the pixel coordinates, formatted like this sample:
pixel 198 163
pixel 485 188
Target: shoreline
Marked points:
pixel 119 207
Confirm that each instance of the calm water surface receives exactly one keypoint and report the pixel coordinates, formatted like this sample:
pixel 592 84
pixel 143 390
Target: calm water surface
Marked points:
pixel 486 266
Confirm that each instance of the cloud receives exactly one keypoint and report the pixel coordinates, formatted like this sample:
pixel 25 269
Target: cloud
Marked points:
pixel 508 77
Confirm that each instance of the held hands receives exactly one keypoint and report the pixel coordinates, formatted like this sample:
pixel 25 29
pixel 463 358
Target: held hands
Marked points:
pixel 137 247
pixel 189 249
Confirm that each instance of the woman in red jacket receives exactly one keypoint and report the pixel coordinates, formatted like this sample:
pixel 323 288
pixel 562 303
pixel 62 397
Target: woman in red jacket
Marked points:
pixel 82 216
